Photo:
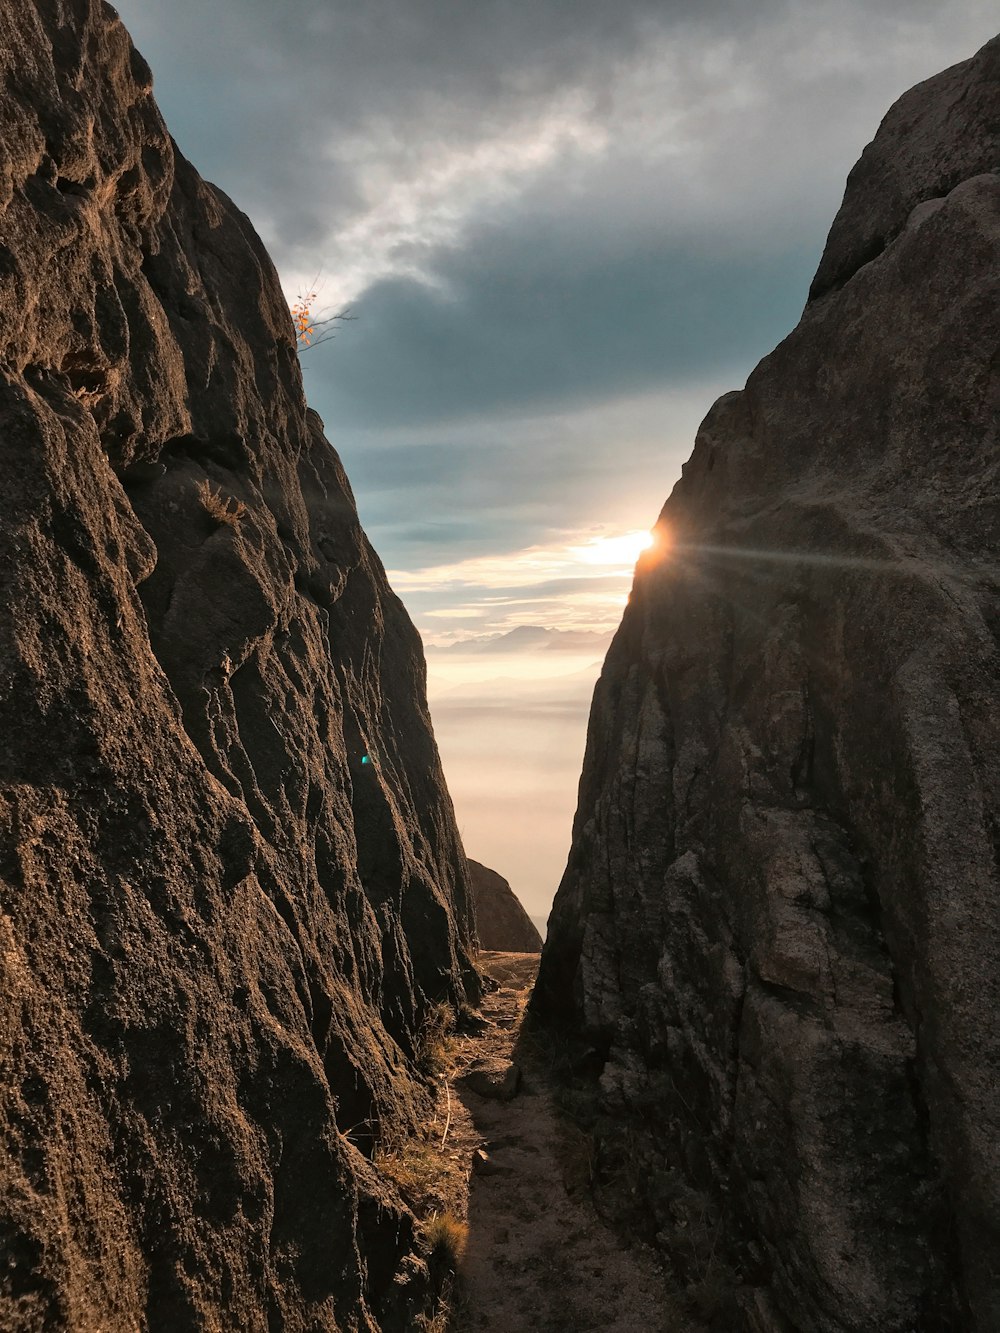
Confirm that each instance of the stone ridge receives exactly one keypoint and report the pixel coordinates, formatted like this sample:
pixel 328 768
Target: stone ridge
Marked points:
pixel 221 930
pixel 943 131
pixel 778 928
pixel 501 922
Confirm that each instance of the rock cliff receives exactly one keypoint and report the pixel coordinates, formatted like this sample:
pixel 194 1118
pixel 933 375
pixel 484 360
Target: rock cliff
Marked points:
pixel 231 884
pixel 779 927
pixel 501 921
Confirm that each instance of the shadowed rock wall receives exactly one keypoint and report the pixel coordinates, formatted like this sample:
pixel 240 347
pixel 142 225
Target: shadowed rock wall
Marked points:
pixel 779 926
pixel 220 931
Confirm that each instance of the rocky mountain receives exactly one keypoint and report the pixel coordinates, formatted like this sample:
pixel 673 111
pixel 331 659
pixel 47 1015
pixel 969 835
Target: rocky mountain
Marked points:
pixel 530 639
pixel 501 921
pixel 778 930
pixel 231 886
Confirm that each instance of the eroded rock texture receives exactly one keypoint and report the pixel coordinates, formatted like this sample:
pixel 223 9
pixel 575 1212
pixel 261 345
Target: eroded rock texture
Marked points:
pixel 220 930
pixel 501 921
pixel 779 927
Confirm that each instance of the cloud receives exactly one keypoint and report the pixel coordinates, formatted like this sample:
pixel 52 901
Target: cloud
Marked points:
pixel 571 589
pixel 440 493
pixel 521 320
pixel 511 728
pixel 361 137
pixel 550 217
pixel 532 204
pixel 591 605
pixel 576 564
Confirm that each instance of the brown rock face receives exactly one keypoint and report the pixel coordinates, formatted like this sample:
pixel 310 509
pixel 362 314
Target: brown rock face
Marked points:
pixel 220 927
pixel 780 921
pixel 502 923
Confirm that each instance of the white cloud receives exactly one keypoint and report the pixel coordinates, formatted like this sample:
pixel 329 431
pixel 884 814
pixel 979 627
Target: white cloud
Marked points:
pixel 417 197
pixel 580 582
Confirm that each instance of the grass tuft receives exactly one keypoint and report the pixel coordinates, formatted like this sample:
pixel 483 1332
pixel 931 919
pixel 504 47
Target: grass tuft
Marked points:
pixel 445 1236
pixel 449 1313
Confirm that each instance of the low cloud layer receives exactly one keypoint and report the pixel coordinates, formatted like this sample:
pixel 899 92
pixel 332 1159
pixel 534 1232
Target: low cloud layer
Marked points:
pixel 512 746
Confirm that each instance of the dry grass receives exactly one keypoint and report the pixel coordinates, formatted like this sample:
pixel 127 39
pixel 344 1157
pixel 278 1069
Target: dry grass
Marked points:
pixel 445 1236
pixel 435 1186
pixel 419 1172
pixel 450 1312
pixel 429 1179
pixel 220 508
pixel 435 1043
pixel 440 1321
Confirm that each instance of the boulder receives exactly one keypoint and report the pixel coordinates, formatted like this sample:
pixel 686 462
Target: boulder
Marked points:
pixel 779 925
pixel 495 1079
pixel 503 924
pixel 231 886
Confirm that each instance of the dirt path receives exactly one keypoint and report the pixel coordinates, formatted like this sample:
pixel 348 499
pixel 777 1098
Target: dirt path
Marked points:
pixel 537 1256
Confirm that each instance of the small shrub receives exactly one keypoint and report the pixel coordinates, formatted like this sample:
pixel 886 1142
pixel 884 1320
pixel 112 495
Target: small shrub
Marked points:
pixel 449 1314
pixel 445 1237
pixel 220 508
pixel 313 326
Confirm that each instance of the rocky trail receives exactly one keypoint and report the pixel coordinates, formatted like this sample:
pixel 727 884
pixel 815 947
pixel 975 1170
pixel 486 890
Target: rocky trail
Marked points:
pixel 537 1255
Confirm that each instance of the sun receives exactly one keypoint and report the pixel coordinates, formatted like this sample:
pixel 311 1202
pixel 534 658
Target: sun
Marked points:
pixel 614 552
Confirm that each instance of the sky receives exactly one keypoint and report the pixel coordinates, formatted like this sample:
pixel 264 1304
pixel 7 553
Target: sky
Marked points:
pixel 562 228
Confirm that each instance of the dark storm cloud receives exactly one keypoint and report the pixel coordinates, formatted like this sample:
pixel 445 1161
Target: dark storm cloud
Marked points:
pixel 523 321
pixel 284 103
pixel 314 62
pixel 280 83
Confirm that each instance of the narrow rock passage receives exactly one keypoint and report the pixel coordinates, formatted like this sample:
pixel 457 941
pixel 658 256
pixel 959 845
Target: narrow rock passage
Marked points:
pixel 538 1257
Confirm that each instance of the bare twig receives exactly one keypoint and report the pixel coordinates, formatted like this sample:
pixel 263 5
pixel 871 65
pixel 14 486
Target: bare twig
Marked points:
pixel 341 315
pixel 447 1123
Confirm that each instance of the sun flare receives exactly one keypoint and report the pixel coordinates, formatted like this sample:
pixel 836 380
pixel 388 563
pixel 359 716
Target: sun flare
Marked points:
pixel 578 583
pixel 614 551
